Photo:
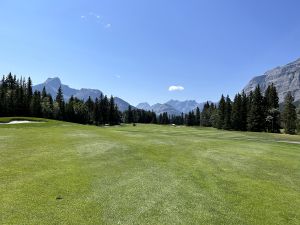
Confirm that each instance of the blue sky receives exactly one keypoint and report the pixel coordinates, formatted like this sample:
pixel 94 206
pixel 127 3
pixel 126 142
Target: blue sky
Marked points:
pixel 137 49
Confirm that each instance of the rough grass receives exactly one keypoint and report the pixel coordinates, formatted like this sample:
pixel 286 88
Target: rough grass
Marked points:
pixel 63 173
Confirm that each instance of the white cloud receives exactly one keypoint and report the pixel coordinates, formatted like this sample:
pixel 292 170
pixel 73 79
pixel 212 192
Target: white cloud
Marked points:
pixel 176 88
pixel 107 26
pixel 118 76
pixel 83 17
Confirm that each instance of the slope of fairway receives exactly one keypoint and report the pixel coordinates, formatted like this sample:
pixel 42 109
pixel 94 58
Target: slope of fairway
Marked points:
pixel 63 173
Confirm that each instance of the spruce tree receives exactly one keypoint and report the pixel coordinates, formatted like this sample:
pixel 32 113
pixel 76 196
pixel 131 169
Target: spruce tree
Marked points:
pixel 289 115
pixel 90 106
pixel 198 115
pixel 60 103
pixel 129 116
pixel 256 118
pixel 206 115
pixel 237 113
pixel 228 110
pixel 221 113
pixel 272 112
pixel 244 112
pixel 35 106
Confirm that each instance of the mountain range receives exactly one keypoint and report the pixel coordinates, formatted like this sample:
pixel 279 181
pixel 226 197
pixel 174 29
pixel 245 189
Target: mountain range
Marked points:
pixel 52 85
pixel 172 107
pixel 285 78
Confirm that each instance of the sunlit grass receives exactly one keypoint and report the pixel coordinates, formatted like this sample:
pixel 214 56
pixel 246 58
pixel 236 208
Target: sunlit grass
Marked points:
pixel 63 173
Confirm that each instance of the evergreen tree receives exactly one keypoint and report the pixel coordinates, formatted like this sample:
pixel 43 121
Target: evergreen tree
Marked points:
pixel 29 94
pixel 154 118
pixel 35 106
pixel 256 119
pixel 244 112
pixel 221 113
pixel 191 119
pixel 228 110
pixel 90 106
pixel 206 115
pixel 60 104
pixel 104 109
pixel 272 112
pixel 129 115
pixel 97 113
pixel 237 113
pixel 289 115
pixel 198 116
pixel 272 99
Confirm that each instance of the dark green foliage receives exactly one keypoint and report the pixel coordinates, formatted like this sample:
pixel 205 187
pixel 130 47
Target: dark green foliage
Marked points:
pixel 289 115
pixel 60 105
pixel 129 115
pixel 17 99
pixel 228 110
pixel 198 117
pixel 237 113
pixel 35 106
pixel 164 118
pixel 273 120
pixel 272 113
pixel 256 118
pixel 221 113
pixel 139 116
pixel 244 111
pixel 191 119
pixel 253 113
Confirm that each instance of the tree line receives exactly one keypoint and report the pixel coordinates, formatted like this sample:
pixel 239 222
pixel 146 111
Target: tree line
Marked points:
pixel 18 99
pixel 255 112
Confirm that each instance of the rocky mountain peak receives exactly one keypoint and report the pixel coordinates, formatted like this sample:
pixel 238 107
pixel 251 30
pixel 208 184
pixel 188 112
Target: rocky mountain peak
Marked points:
pixel 285 78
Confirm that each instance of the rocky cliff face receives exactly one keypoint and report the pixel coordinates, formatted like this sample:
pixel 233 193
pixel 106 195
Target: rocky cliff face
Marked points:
pixel 285 78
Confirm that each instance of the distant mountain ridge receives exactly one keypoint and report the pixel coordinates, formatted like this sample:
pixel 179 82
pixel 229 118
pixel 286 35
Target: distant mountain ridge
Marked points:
pixel 52 85
pixel 285 78
pixel 172 107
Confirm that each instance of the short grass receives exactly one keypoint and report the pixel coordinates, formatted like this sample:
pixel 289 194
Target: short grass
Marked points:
pixel 63 173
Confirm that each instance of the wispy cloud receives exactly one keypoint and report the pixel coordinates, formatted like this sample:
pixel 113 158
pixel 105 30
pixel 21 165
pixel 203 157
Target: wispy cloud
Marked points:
pixel 176 88
pixel 117 76
pixel 108 25
pixel 94 17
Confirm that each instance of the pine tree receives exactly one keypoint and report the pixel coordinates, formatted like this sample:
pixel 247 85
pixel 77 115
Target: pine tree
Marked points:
pixel 191 119
pixel 90 106
pixel 221 113
pixel 35 106
pixel 206 115
pixel 96 112
pixel 237 113
pixel 289 115
pixel 244 112
pixel 129 115
pixel 256 119
pixel 272 112
pixel 60 103
pixel 29 94
pixel 228 109
pixel 198 115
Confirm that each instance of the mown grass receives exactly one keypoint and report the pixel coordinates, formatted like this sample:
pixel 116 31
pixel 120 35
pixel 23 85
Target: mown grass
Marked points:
pixel 63 173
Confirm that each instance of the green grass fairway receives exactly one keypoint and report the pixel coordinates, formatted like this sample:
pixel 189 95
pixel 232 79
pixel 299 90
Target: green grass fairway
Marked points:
pixel 63 173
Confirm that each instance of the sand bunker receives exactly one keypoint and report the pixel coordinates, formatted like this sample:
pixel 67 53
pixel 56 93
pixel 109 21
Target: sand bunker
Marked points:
pixel 20 121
